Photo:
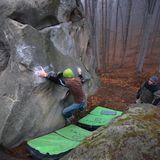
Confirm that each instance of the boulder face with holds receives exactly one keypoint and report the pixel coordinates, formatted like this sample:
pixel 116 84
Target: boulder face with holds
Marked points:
pixel 35 33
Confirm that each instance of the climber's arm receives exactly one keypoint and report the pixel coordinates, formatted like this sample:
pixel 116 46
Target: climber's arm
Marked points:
pixel 80 75
pixel 55 79
pixel 51 76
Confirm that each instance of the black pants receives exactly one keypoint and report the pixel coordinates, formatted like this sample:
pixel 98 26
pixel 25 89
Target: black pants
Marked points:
pixel 156 101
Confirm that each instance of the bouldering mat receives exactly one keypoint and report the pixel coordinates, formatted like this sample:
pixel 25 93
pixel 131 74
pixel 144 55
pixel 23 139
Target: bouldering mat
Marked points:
pixel 73 132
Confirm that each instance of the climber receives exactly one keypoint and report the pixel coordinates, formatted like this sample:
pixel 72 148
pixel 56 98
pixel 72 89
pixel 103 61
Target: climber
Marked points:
pixel 75 87
pixel 149 91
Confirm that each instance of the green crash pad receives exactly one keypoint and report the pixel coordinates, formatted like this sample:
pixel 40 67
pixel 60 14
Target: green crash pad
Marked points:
pixel 99 116
pixel 52 144
pixel 93 120
pixel 73 132
pixel 101 111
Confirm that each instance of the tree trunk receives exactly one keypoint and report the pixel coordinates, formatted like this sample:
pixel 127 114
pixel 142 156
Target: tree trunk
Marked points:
pixel 148 18
pixel 155 30
pixel 108 30
pixel 91 13
pixel 103 36
pixel 128 17
pixel 115 35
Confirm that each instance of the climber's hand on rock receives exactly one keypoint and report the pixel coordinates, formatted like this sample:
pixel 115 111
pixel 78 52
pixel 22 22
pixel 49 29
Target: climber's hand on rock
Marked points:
pixel 41 73
pixel 79 70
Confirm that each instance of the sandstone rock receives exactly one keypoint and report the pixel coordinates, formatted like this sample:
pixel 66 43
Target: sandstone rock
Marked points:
pixel 42 13
pixel 32 106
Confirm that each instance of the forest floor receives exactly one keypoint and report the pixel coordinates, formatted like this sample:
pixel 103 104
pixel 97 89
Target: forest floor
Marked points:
pixel 117 90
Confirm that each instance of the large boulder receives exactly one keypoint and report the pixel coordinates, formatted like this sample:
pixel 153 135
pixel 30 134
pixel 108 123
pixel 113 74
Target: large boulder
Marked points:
pixel 42 13
pixel 133 136
pixel 29 105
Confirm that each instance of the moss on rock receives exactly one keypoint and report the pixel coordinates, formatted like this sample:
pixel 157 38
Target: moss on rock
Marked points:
pixel 134 135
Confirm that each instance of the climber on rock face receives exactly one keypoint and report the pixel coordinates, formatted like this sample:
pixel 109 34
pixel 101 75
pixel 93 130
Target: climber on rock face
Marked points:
pixel 149 91
pixel 75 87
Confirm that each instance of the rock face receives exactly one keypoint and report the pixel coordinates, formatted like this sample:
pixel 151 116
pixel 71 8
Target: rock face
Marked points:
pixel 134 135
pixel 47 33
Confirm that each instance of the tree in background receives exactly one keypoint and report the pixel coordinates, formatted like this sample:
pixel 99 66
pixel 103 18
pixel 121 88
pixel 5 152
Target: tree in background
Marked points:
pixel 121 29
pixel 148 19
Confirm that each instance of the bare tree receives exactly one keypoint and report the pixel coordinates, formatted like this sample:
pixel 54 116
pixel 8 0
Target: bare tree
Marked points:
pixel 121 15
pixel 147 21
pixel 103 36
pixel 86 8
pixel 115 34
pixel 154 34
pixel 90 12
pixel 105 33
pixel 108 30
pixel 126 32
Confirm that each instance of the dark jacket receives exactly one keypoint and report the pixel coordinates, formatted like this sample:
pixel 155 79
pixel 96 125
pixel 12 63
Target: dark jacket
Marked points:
pixel 74 85
pixel 146 92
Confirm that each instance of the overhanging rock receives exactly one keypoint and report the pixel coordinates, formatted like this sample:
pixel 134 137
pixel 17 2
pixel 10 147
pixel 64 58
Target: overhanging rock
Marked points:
pixel 31 106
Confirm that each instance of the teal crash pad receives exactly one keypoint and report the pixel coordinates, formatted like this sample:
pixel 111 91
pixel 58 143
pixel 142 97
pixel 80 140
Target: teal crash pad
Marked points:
pixel 73 132
pixel 52 144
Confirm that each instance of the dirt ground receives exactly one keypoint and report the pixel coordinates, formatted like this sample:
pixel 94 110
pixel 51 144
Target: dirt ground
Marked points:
pixel 117 90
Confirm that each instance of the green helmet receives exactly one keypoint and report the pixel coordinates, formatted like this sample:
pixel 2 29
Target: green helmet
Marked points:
pixel 68 73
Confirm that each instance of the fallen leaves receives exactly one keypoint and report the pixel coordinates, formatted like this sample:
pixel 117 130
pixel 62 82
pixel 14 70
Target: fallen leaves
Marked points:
pixel 118 89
